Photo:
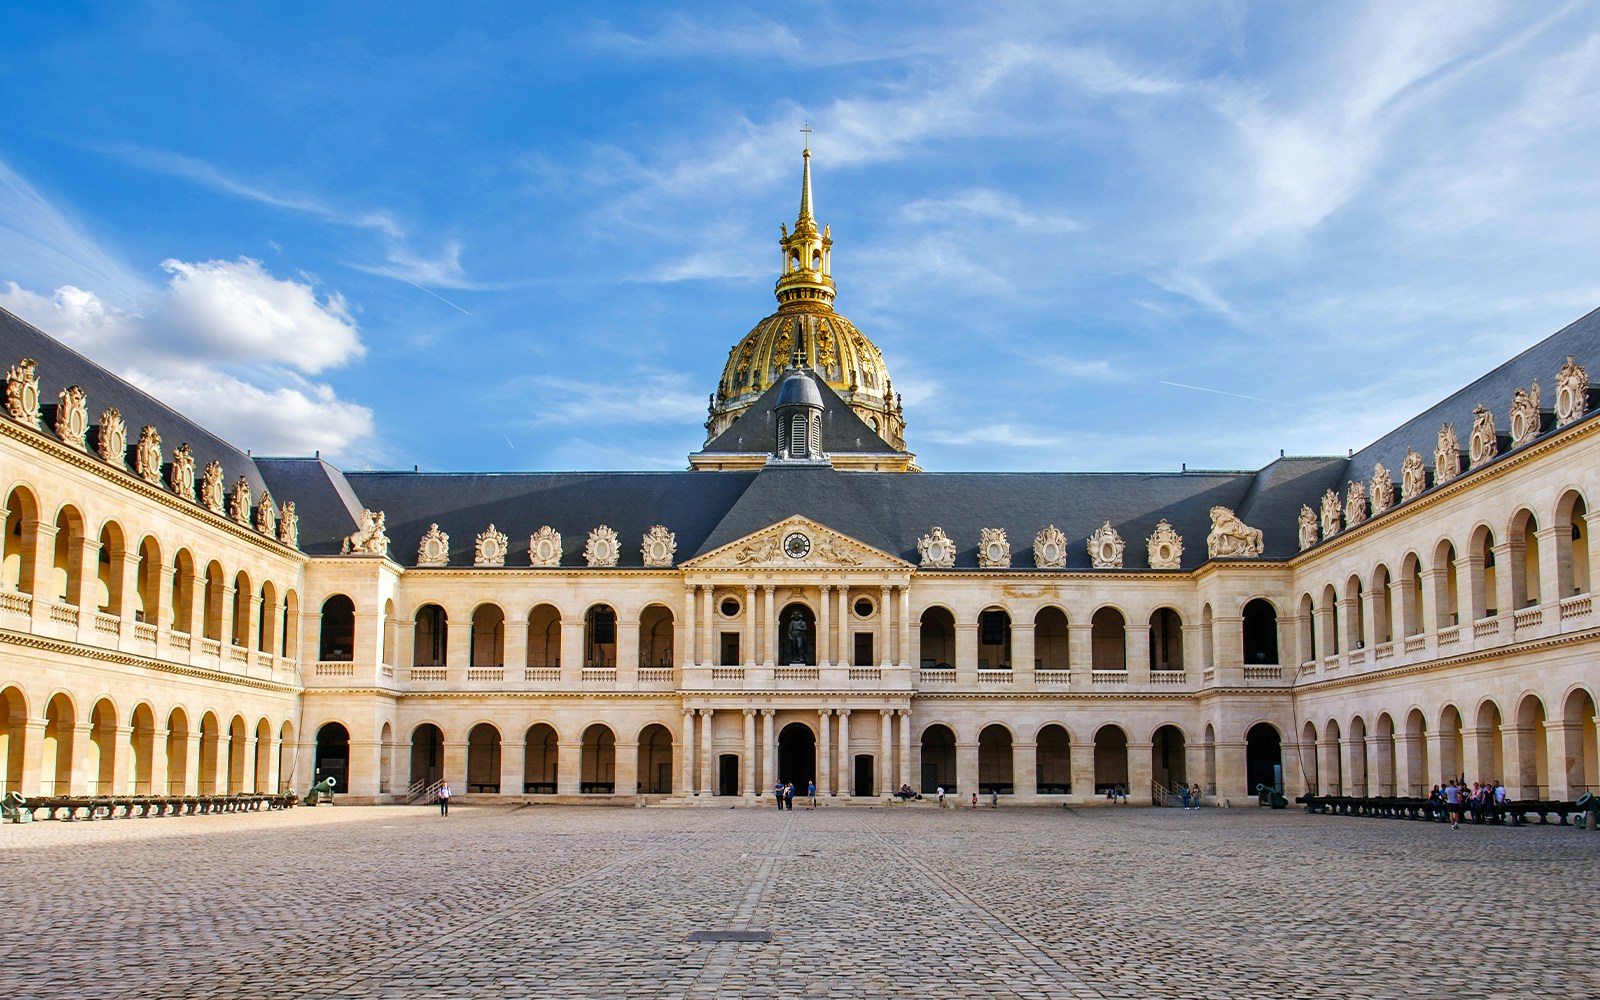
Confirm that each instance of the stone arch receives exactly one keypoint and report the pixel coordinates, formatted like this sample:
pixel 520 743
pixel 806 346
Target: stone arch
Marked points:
pixel 544 637
pixel 57 746
pixel 1482 559
pixel 267 626
pixel 1051 639
pixel 388 636
pixel 1452 751
pixel 1448 589
pixel 1382 605
pixel 1490 726
pixel 210 753
pixel 332 759
pixel 237 774
pixel 430 638
pixel 1263 755
pixel 1306 756
pixel 597 763
pixel 239 612
pixel 337 634
pixel 102 759
pixel 1572 546
pixel 1411 603
pixel 938 744
pixel 994 638
pixel 1523 534
pixel 1384 757
pixel 655 760
pixel 427 755
pixel 600 636
pixel 386 760
pixel 287 754
pixel 488 645
pixel 1259 632
pixel 183 581
pixel 291 626
pixel 1331 644
pixel 261 766
pixel 1415 758
pixel 1330 766
pixel 110 564
pixel 1166 639
pixel 1308 628
pixel 1355 624
pixel 21 540
pixel 213 609
pixel 540 769
pixel 995 759
pixel 1358 772
pixel 1579 744
pixel 142 749
pixel 1053 760
pixel 1110 758
pixel 483 754
pixel 1169 753
pixel 656 636
pixel 807 653
pixel 1208 657
pixel 1108 636
pixel 938 638
pixel 177 750
pixel 1209 758
pixel 797 755
pixel 67 569
pixel 147 582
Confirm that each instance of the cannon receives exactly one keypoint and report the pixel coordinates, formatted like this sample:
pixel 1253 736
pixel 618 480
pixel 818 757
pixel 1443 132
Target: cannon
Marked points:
pixel 14 810
pixel 321 791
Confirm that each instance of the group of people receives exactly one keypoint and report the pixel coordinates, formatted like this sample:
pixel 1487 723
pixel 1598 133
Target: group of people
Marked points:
pixel 783 794
pixel 1484 801
pixel 1191 796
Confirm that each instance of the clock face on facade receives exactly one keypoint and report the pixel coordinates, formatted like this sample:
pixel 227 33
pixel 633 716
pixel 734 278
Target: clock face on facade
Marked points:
pixel 796 545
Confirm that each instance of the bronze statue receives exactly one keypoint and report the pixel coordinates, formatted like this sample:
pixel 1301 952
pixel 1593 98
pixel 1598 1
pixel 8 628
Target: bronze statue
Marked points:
pixel 797 638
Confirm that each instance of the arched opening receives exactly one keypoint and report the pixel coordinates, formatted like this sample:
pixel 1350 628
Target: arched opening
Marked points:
pixel 1355 620
pixel 1411 615
pixel 243 591
pixel 183 579
pixel 291 627
pixel 1308 758
pixel 1384 758
pixel 1525 589
pixel 1260 632
pixel 1108 640
pixel 483 759
pixel 1330 767
pixel 488 640
pixel 1382 606
pixel 1166 640
pixel 1208 650
pixel 1209 758
pixel 655 636
pixel 109 569
pixel 333 755
pixel 390 627
pixel 1330 608
pixel 1485 580
pixel 1532 750
pixel 210 753
pixel 598 765
pixel 797 637
pixel 1263 757
pixel 67 567
pixel 655 760
pixel 995 760
pixel 147 583
pixel 177 752
pixel 55 765
pixel 1491 743
pixel 142 750
pixel 938 638
pixel 262 765
pixel 1578 730
pixel 103 748
pixel 1450 602
pixel 212 603
pixel 1450 744
pixel 600 637
pixel 267 627
pixel 1572 545
pixel 338 632
pixel 1053 761
pixel 1416 753
pixel 544 638
pixel 1110 759
pixel 1359 781
pixel 994 639
pixel 237 735
pixel 1169 764
pixel 427 756
pixel 938 759
pixel 430 636
pixel 21 538
pixel 1050 640
pixel 287 751
pixel 539 774
pixel 13 730
pixel 1308 629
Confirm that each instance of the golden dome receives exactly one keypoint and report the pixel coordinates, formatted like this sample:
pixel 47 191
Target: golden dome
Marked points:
pixel 831 345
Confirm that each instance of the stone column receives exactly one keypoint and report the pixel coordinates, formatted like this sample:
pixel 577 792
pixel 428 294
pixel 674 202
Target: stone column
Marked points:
pixel 966 768
pixel 1522 774
pixel 1233 780
pixel 769 625
pixel 824 751
pixel 1371 602
pixel 1136 652
pixel 1349 637
pixel 1470 743
pixel 1562 763
pixel 749 641
pixel 1508 564
pixel 885 630
pixel 1356 781
pixel 908 657
pixel 516 650
pixel 708 637
pixel 708 757
pixel 905 747
pixel 687 751
pixel 1436 598
pixel 1081 763
pixel 847 652
pixel 1436 759
pixel 824 631
pixel 967 655
pixel 1330 777
pixel 1192 664
pixel 625 777
pixel 1327 640
pixel 686 636
pixel 569 767
pixel 769 753
pixel 847 764
pixel 884 772
pixel 1140 774
pixel 43 573
pixel 455 764
pixel 158 765
pixel 749 769
pixel 1024 771
pixel 82 781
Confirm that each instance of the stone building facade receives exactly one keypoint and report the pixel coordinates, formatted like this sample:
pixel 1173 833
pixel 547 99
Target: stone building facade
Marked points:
pixel 801 603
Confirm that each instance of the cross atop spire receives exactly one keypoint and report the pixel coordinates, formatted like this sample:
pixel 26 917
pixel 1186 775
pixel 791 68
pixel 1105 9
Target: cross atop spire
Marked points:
pixel 808 251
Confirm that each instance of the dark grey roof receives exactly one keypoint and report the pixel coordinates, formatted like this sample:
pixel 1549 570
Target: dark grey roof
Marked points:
pixel 755 431
pixel 327 507
pixel 60 367
pixel 798 388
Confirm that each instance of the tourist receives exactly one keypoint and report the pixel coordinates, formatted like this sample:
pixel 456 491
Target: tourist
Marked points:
pixel 811 793
pixel 777 794
pixel 1184 791
pixel 788 795
pixel 974 800
pixel 994 798
pixel 1194 796
pixel 1452 802
pixel 941 797
pixel 444 798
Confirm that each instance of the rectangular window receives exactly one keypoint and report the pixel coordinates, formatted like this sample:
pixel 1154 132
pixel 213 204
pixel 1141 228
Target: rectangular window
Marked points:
pixel 863 649
pixel 730 649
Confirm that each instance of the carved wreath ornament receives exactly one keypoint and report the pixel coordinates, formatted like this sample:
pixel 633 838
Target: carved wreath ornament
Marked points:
pixel 434 548
pixel 602 548
pixel 490 548
pixel 937 550
pixel 658 547
pixel 544 547
pixel 1165 547
pixel 994 550
pixel 1050 548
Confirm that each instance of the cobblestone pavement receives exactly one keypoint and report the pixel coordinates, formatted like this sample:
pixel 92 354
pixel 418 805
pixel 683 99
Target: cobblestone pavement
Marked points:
pixel 518 902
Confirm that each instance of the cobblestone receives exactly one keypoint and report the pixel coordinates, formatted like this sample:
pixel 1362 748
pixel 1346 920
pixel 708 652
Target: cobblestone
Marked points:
pixel 561 902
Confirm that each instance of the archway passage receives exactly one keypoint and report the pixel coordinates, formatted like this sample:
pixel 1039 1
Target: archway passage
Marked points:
pixel 1168 758
pixel 333 755
pixel 938 759
pixel 1263 757
pixel 655 760
pixel 994 760
pixel 542 756
pixel 427 755
pixel 1053 765
pixel 797 635
pixel 597 764
pixel 483 758
pixel 797 755
pixel 1110 759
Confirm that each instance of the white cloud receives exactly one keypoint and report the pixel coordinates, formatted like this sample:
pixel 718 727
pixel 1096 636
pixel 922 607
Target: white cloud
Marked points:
pixel 627 399
pixel 985 203
pixel 234 312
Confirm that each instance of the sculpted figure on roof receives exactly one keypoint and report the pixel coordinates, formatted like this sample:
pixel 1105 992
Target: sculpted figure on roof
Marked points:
pixel 181 476
pixel 994 550
pixel 1231 537
pixel 1446 455
pixel 1355 503
pixel 112 440
pixel 1050 548
pixel 1572 393
pixel 490 547
pixel 1526 420
pixel 267 516
pixel 1308 527
pixel 1382 490
pixel 1165 547
pixel 369 539
pixel 1330 514
pixel 1106 547
pixel 544 547
pixel 937 550
pixel 1484 444
pixel 434 548
pixel 72 416
pixel 1413 476
pixel 22 392
pixel 147 455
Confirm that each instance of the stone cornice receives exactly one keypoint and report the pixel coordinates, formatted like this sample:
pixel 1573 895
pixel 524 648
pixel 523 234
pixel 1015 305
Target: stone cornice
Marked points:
pixel 113 656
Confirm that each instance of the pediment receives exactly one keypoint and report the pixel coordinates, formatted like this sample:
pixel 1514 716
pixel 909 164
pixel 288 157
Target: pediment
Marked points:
pixel 824 549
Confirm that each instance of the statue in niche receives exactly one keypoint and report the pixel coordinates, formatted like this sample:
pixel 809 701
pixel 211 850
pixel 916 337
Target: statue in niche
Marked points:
pixel 1413 476
pixel 147 455
pixel 658 547
pixel 434 548
pixel 112 441
pixel 72 416
pixel 1106 547
pixel 267 516
pixel 1446 455
pixel 1572 393
pixel 1355 503
pixel 797 632
pixel 490 547
pixel 289 526
pixel 1050 548
pixel 1526 420
pixel 1308 527
pixel 211 487
pixel 239 503
pixel 1231 537
pixel 370 539
pixel 544 547
pixel 1330 514
pixel 1382 490
pixel 22 392
pixel 181 476
pixel 1484 444
pixel 937 550
pixel 1165 547
pixel 994 551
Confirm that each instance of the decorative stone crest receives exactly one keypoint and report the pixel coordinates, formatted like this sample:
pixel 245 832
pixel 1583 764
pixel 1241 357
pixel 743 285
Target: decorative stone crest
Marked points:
pixel 1446 455
pixel 1355 503
pixel 1308 527
pixel 658 547
pixel 181 476
pixel 289 526
pixel 544 547
pixel 1231 537
pixel 1050 548
pixel 937 550
pixel 72 416
pixel 211 487
pixel 1526 420
pixel 602 548
pixel 490 547
pixel 370 539
pixel 1572 393
pixel 1106 547
pixel 147 455
pixel 1484 445
pixel 1165 547
pixel 1330 514
pixel 1413 476
pixel 1382 490
pixel 112 439
pixel 239 502
pixel 267 516
pixel 994 550
pixel 434 549
pixel 22 392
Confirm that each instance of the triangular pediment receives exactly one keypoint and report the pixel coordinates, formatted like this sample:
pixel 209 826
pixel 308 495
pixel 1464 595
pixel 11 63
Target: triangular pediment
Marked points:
pixel 797 543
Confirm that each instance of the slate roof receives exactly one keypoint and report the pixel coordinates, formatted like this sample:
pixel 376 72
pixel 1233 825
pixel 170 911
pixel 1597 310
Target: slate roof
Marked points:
pixel 755 431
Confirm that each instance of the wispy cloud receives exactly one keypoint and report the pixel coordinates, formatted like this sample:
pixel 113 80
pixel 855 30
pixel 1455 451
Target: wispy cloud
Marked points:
pixel 984 203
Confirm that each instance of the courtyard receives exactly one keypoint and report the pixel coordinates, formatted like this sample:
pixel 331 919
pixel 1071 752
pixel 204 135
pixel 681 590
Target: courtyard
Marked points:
pixel 508 901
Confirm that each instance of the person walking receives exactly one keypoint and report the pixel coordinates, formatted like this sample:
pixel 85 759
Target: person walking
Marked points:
pixel 444 798
pixel 1184 791
pixel 811 793
pixel 788 795
pixel 994 798
pixel 777 794
pixel 941 797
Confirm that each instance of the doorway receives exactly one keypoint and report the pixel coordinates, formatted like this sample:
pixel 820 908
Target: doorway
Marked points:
pixel 728 774
pixel 797 755
pixel 863 784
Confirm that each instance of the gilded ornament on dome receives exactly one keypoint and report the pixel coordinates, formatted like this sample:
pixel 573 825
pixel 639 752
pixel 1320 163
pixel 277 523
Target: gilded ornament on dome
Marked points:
pixel 267 516
pixel 72 417
pixel 434 548
pixel 544 547
pixel 824 348
pixel 22 392
pixel 994 550
pixel 1572 392
pixel 1165 547
pixel 490 547
pixel 147 455
pixel 289 526
pixel 239 502
pixel 181 476
pixel 112 439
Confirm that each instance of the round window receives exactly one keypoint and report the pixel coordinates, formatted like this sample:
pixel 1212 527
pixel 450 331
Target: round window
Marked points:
pixel 863 608
pixel 730 608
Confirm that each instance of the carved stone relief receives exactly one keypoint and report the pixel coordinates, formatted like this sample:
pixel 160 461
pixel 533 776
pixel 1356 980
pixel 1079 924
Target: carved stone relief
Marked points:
pixel 602 548
pixel 181 476
pixel 1231 537
pixel 1526 420
pixel 1330 514
pixel 1355 503
pixel 1165 547
pixel 1446 456
pixel 147 455
pixel 22 392
pixel 211 487
pixel 1572 393
pixel 1050 548
pixel 1413 476
pixel 1484 445
pixel 289 526
pixel 434 548
pixel 1106 547
pixel 267 516
pixel 1308 527
pixel 1382 490
pixel 72 416
pixel 937 550
pixel 544 547
pixel 112 439
pixel 370 539
pixel 658 547
pixel 994 550
pixel 239 502
pixel 490 547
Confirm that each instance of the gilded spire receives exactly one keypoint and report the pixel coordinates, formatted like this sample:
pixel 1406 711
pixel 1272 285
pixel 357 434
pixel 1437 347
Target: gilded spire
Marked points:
pixel 805 219
pixel 806 279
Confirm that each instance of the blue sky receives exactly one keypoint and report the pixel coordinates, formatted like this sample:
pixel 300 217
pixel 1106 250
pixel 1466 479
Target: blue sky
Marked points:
pixel 514 236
